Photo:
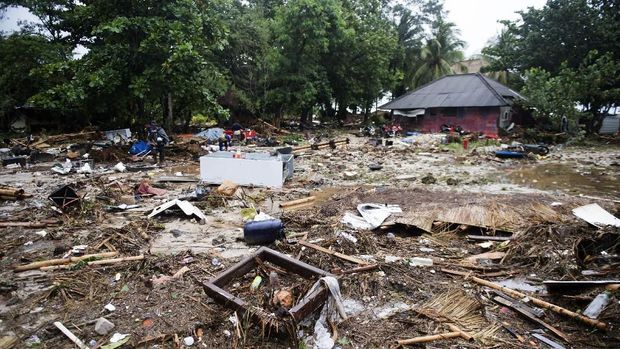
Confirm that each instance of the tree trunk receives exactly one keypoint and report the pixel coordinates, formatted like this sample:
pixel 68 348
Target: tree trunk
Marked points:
pixel 303 120
pixel 169 120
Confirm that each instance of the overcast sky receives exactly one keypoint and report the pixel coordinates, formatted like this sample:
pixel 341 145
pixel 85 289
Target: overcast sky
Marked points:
pixel 477 19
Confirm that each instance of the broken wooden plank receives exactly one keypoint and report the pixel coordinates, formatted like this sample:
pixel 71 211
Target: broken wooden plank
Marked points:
pixel 515 306
pixel 547 341
pixel 539 302
pixel 297 202
pixel 431 338
pixel 487 255
pixel 36 225
pixel 49 262
pixel 117 260
pixel 333 253
pixel 489 238
pixel 534 311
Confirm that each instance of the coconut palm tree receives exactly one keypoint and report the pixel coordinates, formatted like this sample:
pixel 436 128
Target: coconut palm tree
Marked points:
pixel 442 49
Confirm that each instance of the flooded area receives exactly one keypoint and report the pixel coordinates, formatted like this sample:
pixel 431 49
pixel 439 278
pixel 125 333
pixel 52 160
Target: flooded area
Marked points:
pixel 570 178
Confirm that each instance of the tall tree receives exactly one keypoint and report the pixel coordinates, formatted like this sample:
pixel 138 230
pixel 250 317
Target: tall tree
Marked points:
pixel 21 56
pixel 144 59
pixel 562 30
pixel 570 42
pixel 442 49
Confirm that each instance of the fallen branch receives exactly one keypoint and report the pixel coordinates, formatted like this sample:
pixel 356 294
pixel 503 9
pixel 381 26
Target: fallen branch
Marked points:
pixel 538 302
pixel 70 335
pixel 50 262
pixel 297 202
pixel 333 253
pixel 117 260
pixel 12 193
pixel 425 339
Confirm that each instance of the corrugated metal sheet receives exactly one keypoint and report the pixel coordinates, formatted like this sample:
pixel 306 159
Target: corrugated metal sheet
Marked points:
pixel 611 125
pixel 463 90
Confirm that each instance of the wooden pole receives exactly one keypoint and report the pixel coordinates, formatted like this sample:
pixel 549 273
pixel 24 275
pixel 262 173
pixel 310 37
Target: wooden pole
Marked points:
pixel 27 224
pixel 333 253
pixel 297 202
pixel 425 339
pixel 117 260
pixel 539 302
pixel 37 265
pixel 11 192
pixel 466 336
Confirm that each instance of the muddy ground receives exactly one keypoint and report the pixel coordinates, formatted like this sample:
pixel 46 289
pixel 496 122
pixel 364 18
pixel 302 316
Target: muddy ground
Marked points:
pixel 445 192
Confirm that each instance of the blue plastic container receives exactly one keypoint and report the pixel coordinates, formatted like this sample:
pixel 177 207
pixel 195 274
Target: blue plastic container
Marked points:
pixel 263 232
pixel 507 154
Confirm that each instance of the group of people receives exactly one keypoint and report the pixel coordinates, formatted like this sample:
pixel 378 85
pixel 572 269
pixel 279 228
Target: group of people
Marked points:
pixel 158 138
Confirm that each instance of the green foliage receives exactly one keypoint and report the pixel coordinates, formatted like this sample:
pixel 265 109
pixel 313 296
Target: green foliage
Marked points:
pixel 568 53
pixel 442 49
pixel 593 87
pixel 21 56
pixel 563 30
pixel 173 59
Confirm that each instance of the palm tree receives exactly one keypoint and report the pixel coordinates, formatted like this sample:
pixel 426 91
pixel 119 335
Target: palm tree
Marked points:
pixel 442 49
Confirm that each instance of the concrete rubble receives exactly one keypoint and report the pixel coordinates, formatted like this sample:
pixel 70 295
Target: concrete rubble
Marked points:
pixel 384 243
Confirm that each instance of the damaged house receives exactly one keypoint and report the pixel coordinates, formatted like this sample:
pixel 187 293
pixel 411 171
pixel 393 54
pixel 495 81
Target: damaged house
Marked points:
pixel 474 102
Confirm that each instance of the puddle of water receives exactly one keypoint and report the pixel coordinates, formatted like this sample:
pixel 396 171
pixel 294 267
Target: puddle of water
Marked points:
pixel 566 177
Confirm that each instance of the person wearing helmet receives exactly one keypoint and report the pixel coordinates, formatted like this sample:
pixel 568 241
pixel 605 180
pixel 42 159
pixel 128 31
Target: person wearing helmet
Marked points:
pixel 158 138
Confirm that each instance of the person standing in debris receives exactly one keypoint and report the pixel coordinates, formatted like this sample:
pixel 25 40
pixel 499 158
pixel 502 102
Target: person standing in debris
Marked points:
pixel 158 138
pixel 224 142
pixel 564 125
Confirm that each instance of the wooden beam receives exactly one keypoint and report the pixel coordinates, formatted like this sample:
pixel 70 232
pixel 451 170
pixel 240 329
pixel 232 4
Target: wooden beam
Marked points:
pixel 37 265
pixel 297 202
pixel 333 253
pixel 531 317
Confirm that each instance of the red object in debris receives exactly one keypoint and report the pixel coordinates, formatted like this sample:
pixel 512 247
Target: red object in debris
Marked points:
pixel 465 143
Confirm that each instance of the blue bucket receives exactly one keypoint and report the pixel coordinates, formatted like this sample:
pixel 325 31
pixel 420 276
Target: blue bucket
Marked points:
pixel 263 232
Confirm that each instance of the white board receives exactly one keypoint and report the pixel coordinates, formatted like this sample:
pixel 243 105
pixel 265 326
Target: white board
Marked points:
pixel 264 171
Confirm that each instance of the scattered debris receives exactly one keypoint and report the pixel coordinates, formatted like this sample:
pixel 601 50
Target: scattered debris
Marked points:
pixel 185 206
pixel 596 215
pixel 598 304
pixel 103 326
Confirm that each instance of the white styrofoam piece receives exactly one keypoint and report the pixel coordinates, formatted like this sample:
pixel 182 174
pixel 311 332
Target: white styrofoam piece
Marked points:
pixel 254 169
pixel 596 215
pixel 184 205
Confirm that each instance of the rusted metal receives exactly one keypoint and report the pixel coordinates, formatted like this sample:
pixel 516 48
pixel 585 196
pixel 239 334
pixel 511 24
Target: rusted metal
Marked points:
pixel 215 288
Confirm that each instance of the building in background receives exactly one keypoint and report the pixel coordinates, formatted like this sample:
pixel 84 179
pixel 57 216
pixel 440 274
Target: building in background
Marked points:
pixel 472 101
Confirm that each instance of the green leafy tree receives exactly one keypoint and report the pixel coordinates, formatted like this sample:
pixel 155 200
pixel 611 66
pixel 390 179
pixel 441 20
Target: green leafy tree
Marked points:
pixel 144 59
pixel 21 55
pixel 582 95
pixel 563 30
pixel 442 49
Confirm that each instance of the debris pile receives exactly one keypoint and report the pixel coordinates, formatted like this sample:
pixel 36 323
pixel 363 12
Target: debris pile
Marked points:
pixel 365 245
